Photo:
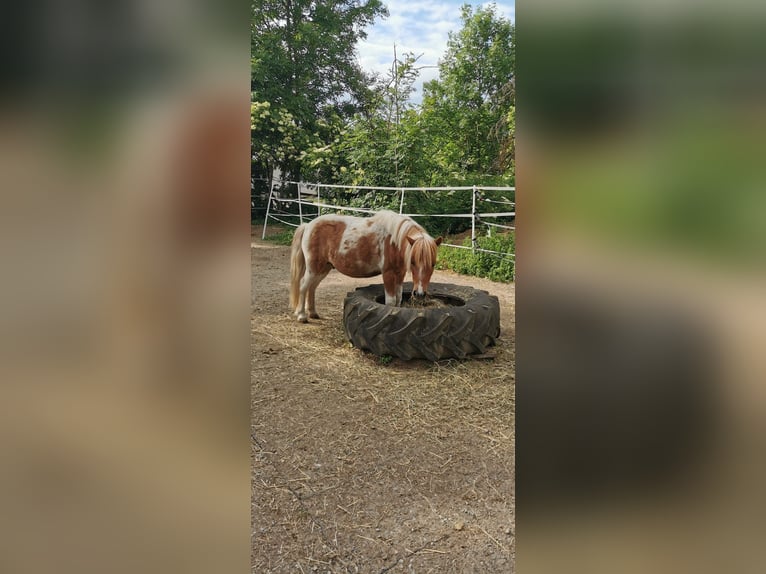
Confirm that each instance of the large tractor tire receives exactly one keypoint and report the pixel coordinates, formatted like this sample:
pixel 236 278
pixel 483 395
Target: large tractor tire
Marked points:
pixel 467 324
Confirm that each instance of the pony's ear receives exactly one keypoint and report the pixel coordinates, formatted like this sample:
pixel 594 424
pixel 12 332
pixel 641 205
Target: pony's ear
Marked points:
pixel 439 240
pixel 411 240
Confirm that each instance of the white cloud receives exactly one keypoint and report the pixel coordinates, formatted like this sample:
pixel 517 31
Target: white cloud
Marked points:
pixel 419 26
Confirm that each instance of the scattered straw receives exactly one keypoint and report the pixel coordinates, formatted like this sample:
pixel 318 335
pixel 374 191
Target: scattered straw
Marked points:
pixel 344 445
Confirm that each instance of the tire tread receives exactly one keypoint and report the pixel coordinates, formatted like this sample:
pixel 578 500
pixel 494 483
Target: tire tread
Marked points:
pixel 433 334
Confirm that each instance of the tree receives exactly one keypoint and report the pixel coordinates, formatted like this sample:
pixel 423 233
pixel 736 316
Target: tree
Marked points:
pixel 381 143
pixel 380 146
pixel 469 111
pixel 303 65
pixel 480 57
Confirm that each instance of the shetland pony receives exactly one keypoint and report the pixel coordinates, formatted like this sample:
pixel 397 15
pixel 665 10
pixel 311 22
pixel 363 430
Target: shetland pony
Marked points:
pixel 387 243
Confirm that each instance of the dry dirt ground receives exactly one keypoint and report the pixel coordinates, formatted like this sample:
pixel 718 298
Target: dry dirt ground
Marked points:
pixel 366 465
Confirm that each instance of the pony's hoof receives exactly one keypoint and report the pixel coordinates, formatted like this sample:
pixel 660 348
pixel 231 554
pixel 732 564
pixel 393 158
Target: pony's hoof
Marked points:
pixel 314 316
pixel 302 318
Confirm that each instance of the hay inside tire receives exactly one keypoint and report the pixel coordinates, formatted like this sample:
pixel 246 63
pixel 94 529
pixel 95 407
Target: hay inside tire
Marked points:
pixel 466 322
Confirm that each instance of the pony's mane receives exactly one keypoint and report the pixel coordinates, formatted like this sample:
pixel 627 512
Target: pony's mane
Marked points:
pixel 400 227
pixel 423 251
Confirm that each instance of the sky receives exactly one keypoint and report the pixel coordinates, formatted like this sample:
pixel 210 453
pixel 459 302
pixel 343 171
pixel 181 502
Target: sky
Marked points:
pixel 419 26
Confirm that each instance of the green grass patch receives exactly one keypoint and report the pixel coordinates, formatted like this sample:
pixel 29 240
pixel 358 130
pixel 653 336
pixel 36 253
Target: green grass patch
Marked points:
pixel 479 264
pixel 283 237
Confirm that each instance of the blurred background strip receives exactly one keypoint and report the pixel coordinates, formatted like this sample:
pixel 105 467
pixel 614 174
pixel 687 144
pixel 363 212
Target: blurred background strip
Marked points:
pixel 641 318
pixel 124 402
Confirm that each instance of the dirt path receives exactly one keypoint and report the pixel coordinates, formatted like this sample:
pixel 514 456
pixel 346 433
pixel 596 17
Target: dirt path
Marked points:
pixel 360 466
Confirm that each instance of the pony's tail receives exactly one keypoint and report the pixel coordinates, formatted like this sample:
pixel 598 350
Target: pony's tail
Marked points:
pixel 297 265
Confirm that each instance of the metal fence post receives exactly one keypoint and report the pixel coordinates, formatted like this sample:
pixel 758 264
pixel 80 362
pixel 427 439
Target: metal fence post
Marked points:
pixel 473 220
pixel 401 203
pixel 268 207
pixel 300 203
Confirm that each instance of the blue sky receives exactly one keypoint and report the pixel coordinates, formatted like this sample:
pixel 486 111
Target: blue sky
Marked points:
pixel 420 26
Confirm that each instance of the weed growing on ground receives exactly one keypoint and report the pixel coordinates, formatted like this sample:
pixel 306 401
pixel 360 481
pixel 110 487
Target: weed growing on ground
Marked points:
pixel 284 237
pixel 480 264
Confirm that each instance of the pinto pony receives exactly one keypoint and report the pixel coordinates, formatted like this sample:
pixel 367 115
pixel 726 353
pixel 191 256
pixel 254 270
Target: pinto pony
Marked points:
pixel 387 243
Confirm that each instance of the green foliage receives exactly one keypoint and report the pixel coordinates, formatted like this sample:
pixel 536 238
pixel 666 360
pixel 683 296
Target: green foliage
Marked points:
pixel 480 57
pixel 319 117
pixel 276 137
pixel 283 237
pixel 303 63
pixel 480 264
pixel 469 112
pixel 381 146
pixel 440 202
pixel 507 155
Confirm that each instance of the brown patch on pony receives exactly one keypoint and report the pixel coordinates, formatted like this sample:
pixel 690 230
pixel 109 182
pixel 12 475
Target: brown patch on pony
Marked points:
pixel 324 244
pixel 396 267
pixel 394 258
pixel 357 259
pixel 367 249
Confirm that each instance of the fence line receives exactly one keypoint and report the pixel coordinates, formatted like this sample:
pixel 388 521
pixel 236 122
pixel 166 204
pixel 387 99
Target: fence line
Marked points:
pixel 327 205
pixel 488 224
pixel 388 188
pixel 276 201
pixel 499 202
pixel 286 222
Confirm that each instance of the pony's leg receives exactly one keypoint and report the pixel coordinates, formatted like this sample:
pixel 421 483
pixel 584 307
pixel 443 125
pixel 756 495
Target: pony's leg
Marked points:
pixel 391 288
pixel 399 295
pixel 300 310
pixel 311 295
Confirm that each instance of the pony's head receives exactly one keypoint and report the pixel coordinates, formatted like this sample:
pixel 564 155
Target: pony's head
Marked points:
pixel 422 261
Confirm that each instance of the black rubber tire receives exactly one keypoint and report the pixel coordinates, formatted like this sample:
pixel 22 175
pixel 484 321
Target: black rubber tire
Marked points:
pixel 432 333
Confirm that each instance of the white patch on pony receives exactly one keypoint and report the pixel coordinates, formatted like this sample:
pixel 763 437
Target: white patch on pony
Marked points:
pixel 354 232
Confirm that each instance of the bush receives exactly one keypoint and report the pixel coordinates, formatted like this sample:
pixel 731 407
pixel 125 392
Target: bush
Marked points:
pixel 479 264
pixel 284 237
pixel 455 201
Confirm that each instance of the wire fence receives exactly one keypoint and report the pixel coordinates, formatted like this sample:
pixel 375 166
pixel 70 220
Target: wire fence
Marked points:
pixel 292 203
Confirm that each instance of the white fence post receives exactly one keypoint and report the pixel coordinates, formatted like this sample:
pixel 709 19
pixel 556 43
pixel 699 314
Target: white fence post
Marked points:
pixel 401 203
pixel 300 203
pixel 473 219
pixel 268 207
